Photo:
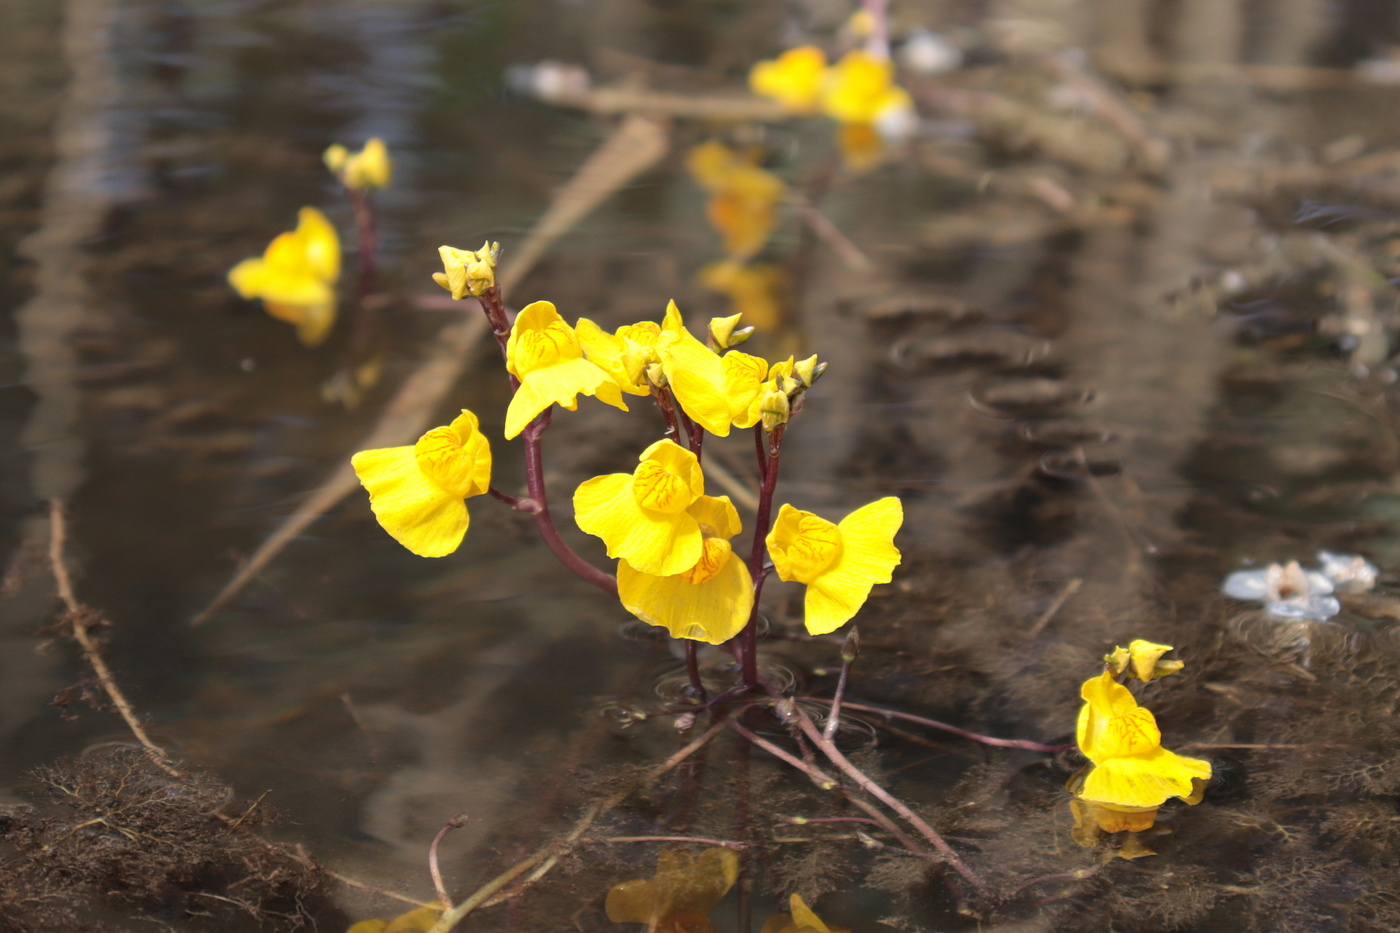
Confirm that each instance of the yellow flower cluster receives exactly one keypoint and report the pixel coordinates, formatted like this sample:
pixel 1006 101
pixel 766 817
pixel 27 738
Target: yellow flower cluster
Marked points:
pixel 369 168
pixel 1131 775
pixel 858 92
pixel 295 276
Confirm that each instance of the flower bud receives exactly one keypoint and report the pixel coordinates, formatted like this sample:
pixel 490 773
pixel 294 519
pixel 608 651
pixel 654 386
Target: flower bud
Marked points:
pixel 468 272
pixel 809 370
pixel 775 409
pixel 725 332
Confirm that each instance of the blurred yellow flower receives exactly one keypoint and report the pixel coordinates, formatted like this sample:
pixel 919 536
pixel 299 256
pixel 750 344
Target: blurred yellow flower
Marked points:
pixel 799 919
pixel 371 167
pixel 838 562
pixel 543 352
pixel 744 199
pixel 755 291
pixel 794 79
pixel 861 146
pixel 860 88
pixel 418 920
pixel 679 897
pixel 644 516
pixel 295 276
pixel 1130 767
pixel 468 272
pixel 711 601
pixel 416 492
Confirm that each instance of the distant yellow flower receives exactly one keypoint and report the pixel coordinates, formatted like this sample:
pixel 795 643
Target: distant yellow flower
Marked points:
pixel 794 79
pixel 418 920
pixel 679 897
pixel 296 276
pixel 755 291
pixel 744 198
pixel 371 167
pixel 416 492
pixel 468 272
pixel 1145 659
pixel 712 600
pixel 800 919
pixel 1130 767
pixel 543 352
pixel 643 517
pixel 861 89
pixel 861 146
pixel 838 562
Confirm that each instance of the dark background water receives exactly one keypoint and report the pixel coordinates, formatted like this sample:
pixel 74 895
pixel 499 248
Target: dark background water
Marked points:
pixel 151 145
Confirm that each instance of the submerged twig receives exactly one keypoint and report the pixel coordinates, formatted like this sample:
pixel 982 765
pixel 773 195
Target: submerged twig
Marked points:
pixel 457 821
pixel 1027 744
pixel 78 617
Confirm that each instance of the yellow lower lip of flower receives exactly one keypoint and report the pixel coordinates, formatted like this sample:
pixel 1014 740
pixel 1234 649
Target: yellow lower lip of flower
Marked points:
pixel 712 611
pixel 416 512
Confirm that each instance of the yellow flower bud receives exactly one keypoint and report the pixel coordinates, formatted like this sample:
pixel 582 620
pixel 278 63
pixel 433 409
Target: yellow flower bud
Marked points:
pixel 775 408
pixel 335 157
pixel 371 167
pixel 723 334
pixel 809 370
pixel 468 272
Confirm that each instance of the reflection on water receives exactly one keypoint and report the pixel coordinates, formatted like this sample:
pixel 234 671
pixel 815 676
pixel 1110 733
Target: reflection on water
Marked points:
pixel 1102 359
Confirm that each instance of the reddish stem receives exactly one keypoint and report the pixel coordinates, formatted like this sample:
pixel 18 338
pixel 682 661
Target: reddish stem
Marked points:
pixel 520 504
pixel 935 724
pixel 748 654
pixel 544 522
pixel 692 668
pixel 366 241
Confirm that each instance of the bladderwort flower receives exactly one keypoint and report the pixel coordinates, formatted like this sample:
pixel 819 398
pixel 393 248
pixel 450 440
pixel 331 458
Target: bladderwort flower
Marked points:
pixel 543 352
pixel 295 276
pixel 1286 590
pixel 839 562
pixel 681 894
pixel 417 491
pixel 1131 775
pixel 794 79
pixel 369 168
pixel 711 601
pixel 744 199
pixel 644 516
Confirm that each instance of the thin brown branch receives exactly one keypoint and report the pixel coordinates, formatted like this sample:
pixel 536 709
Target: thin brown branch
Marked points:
pixel 78 617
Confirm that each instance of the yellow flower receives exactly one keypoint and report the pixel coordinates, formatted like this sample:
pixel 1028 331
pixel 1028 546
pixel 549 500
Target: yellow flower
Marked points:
pixel 712 600
pixel 371 167
pixel 756 292
pixel 744 199
pixel 679 897
pixel 861 146
pixel 1130 766
pixel 543 352
pixel 418 920
pixel 1145 659
pixel 296 276
pixel 794 79
pixel 694 372
pixel 416 492
pixel 644 516
pixel 838 562
pixel 860 89
pixel 468 272
pixel 800 919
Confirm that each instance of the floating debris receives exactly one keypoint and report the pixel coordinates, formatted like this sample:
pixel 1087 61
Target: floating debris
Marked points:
pixel 1348 573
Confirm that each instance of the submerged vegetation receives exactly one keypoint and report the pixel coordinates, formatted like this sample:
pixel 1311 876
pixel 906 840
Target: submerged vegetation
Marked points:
pixel 984 372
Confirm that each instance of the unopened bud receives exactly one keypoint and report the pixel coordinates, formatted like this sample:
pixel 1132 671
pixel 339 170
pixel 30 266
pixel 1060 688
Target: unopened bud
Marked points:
pixel 468 272
pixel 725 332
pixel 809 370
pixel 850 650
pixel 775 409
pixel 656 375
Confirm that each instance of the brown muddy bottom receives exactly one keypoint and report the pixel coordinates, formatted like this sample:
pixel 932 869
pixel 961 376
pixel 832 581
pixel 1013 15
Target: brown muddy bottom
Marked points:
pixel 1107 352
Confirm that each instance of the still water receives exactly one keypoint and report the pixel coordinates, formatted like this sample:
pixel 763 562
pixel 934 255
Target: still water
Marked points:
pixel 1120 321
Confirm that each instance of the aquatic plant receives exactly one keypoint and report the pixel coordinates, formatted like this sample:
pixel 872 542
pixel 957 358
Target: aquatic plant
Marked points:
pixel 296 275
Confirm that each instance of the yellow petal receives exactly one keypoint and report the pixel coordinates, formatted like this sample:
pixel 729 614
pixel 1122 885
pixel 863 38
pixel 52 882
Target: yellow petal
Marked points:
pixel 610 353
pixel 867 556
pixel 695 373
pixel 1143 780
pixel 794 79
pixel 857 87
pixel 539 338
pixel 370 167
pixel 802 544
pixel 335 157
pixel 804 919
pixel 315 324
pixel 1111 723
pixel 419 920
pixel 717 516
pixel 1147 661
pixel 414 510
pixel 320 243
pixel 559 384
pixel 456 457
pixel 712 611
pixel 652 542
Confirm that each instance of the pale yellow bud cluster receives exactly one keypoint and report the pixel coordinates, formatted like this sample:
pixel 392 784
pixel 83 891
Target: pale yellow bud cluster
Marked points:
pixel 468 272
